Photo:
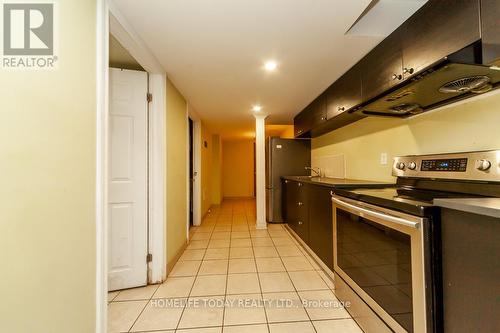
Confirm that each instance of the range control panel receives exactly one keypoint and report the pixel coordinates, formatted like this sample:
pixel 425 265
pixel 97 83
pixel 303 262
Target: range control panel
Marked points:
pixel 453 164
pixel 483 165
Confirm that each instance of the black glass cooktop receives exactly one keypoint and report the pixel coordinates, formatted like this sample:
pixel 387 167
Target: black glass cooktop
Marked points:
pixel 411 201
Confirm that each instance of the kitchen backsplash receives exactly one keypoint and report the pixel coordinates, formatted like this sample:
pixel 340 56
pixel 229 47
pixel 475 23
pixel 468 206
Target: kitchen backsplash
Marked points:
pixel 332 166
pixel 470 125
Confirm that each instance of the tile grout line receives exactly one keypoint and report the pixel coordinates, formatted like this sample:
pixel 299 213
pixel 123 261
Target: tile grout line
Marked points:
pixel 190 290
pixel 144 308
pixel 298 295
pixel 260 287
pixel 227 277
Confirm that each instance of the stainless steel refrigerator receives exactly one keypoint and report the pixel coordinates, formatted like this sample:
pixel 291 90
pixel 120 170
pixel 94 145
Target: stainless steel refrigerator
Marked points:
pixel 284 157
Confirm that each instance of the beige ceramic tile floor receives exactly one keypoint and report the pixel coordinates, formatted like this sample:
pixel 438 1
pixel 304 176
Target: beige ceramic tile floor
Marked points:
pixel 233 278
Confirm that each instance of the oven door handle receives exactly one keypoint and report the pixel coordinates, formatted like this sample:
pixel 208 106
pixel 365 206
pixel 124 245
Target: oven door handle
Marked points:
pixel 362 210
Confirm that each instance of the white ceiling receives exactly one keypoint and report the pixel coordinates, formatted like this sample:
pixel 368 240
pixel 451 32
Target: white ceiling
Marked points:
pixel 214 50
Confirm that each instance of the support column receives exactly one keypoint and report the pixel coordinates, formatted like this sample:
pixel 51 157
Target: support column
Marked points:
pixel 260 170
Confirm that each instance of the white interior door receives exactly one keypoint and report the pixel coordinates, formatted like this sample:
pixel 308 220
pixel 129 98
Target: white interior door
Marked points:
pixel 127 174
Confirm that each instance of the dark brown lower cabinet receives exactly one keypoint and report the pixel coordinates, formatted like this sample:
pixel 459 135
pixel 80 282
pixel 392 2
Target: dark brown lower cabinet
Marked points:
pixel 320 223
pixel 308 211
pixel 295 207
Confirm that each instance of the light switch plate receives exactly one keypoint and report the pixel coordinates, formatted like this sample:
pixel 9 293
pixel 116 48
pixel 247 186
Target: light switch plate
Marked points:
pixel 383 158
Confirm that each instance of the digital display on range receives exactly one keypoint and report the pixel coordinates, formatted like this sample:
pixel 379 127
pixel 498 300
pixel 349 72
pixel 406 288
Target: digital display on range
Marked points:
pixel 453 164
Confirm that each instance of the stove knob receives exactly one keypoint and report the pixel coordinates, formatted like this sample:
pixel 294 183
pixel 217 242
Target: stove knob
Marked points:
pixel 412 166
pixel 483 165
pixel 400 165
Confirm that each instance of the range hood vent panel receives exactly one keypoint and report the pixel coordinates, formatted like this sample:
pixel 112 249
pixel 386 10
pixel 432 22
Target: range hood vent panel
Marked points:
pixel 466 84
pixel 439 85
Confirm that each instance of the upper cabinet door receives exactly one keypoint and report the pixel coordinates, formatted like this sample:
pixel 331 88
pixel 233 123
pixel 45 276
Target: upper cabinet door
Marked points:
pixel 382 67
pixel 303 122
pixel 313 115
pixel 437 30
pixel 490 31
pixel 319 109
pixel 344 93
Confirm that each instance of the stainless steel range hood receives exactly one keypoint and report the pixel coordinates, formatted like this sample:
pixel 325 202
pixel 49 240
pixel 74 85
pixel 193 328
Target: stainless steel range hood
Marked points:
pixel 456 77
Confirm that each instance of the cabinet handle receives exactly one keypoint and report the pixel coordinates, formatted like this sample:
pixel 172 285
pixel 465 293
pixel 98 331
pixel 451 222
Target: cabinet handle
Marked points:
pixel 286 181
pixel 408 70
pixel 300 222
pixel 341 108
pixel 323 118
pixel 300 203
pixel 299 184
pixel 397 76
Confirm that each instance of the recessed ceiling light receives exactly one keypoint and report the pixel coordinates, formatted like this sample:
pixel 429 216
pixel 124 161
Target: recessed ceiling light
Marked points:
pixel 270 65
pixel 257 108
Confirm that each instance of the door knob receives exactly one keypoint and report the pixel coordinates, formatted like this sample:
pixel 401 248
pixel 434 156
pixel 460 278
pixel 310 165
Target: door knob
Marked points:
pixel 300 222
pixel 300 203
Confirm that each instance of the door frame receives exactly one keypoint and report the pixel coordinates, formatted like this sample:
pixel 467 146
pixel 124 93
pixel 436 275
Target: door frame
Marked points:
pixel 197 146
pixel 110 20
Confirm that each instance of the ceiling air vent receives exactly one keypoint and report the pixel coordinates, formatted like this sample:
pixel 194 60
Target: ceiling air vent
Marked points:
pixel 474 84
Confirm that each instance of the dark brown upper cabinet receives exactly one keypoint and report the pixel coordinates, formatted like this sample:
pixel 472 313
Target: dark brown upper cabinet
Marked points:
pixel 490 31
pixel 320 109
pixel 344 94
pixel 440 29
pixel 313 115
pixel 303 122
pixel 382 68
pixel 437 30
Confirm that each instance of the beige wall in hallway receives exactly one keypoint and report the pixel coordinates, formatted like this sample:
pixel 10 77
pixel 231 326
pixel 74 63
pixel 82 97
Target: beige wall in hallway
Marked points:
pixel 47 177
pixel 216 169
pixel 238 168
pixel 472 125
pixel 177 143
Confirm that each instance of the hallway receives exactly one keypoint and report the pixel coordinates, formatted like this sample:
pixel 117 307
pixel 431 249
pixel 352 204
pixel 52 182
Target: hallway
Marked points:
pixel 235 278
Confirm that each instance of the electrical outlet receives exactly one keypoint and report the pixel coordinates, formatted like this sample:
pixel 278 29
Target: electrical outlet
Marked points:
pixel 383 158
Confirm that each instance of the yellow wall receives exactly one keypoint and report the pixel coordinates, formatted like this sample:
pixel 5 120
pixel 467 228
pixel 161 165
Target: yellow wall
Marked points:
pixel 473 125
pixel 47 177
pixel 216 169
pixel 282 131
pixel 238 168
pixel 206 170
pixel 288 133
pixel 176 171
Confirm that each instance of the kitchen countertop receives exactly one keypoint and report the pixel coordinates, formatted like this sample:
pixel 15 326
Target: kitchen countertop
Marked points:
pixel 333 182
pixel 481 206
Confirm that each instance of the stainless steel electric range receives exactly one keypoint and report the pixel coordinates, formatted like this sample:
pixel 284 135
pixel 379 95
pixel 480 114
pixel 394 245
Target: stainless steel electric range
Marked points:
pixel 387 256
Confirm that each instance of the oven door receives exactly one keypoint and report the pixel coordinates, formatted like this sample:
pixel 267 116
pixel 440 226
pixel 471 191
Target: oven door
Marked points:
pixel 379 254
